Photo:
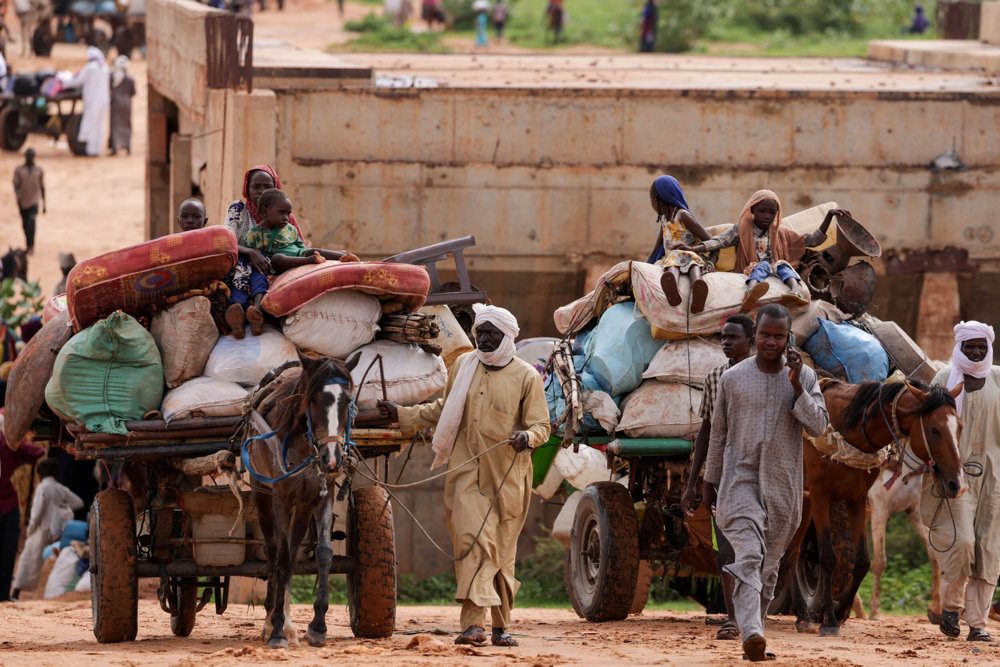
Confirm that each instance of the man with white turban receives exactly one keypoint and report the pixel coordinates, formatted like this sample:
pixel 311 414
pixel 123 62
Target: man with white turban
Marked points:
pixel 96 91
pixel 970 567
pixel 492 398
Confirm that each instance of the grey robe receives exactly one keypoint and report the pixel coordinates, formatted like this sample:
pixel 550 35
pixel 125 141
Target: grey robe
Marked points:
pixel 755 461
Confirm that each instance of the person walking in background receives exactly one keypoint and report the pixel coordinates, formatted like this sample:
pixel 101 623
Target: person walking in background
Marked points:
pixel 51 508
pixel 919 24
pixel 647 32
pixel 96 84
pixel 122 92
pixel 556 17
pixel 10 512
pixel 500 14
pixel 29 188
pixel 482 8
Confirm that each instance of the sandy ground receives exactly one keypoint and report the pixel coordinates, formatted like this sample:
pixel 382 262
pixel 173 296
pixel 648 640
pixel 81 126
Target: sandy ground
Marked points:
pixel 59 633
pixel 94 204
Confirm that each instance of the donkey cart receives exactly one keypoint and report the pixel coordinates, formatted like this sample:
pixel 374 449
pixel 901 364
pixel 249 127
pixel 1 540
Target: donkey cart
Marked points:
pixel 163 523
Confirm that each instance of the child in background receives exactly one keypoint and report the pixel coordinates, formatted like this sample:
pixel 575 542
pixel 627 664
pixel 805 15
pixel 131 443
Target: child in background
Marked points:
pixel 51 508
pixel 191 215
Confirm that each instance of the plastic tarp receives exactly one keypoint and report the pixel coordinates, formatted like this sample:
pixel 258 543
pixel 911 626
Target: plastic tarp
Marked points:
pixel 620 349
pixel 848 352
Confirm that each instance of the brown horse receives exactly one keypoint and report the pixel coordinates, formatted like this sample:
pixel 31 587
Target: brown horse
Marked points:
pixel 309 409
pixel 870 416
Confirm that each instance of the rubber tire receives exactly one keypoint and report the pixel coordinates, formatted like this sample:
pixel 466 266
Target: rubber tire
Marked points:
pixel 10 120
pixel 72 131
pixel 568 581
pixel 605 522
pixel 371 588
pixel 43 39
pixel 114 586
pixel 642 587
pixel 187 602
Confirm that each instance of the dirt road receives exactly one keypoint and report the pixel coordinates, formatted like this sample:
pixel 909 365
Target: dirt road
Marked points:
pixel 59 633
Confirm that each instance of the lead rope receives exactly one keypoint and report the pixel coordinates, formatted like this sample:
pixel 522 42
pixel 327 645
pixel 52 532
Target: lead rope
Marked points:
pixel 388 488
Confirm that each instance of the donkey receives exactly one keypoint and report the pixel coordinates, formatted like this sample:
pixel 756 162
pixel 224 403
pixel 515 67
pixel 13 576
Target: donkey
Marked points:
pixel 293 471
pixel 870 416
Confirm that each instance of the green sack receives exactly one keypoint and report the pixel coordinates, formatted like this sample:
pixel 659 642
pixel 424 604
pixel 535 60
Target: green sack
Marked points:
pixel 107 374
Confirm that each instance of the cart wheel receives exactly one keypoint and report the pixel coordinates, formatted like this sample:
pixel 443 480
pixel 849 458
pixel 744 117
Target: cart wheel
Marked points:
pixel 187 602
pixel 371 588
pixel 42 39
pixel 604 552
pixel 10 129
pixel 72 130
pixel 114 593
pixel 642 586
pixel 568 581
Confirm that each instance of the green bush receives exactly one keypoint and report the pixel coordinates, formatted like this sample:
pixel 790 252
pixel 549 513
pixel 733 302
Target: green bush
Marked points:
pixel 681 22
pixel 370 23
pixel 799 17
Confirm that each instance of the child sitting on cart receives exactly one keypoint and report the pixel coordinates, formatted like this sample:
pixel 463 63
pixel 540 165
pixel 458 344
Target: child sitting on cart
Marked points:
pixel 283 248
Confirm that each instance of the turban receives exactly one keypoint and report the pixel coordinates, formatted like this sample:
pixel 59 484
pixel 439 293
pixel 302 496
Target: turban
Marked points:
pixel 454 406
pixel 961 365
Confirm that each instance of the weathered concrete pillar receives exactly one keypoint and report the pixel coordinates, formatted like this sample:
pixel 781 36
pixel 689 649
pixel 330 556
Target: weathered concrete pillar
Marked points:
pixel 939 313
pixel 180 176
pixel 158 167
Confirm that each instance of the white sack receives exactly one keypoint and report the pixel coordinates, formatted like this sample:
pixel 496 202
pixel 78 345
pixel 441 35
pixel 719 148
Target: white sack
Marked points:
pixel 688 361
pixel 661 410
pixel 62 572
pixel 335 324
pixel 185 333
pixel 582 468
pixel 411 375
pixel 247 361
pixel 203 397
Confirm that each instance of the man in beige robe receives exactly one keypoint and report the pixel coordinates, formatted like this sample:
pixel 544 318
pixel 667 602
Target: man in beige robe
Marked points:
pixel 970 566
pixel 492 398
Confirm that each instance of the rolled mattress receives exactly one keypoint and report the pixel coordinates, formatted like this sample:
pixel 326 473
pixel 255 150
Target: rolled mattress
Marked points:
pixel 140 278
pixel 293 289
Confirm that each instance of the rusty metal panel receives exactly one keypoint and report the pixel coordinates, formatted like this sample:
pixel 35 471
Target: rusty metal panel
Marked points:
pixel 958 20
pixel 229 51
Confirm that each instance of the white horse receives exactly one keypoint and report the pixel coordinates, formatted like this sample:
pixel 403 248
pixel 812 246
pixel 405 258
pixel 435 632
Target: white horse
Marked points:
pixel 904 496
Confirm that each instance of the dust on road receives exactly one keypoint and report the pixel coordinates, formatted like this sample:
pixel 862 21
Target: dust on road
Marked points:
pixel 58 632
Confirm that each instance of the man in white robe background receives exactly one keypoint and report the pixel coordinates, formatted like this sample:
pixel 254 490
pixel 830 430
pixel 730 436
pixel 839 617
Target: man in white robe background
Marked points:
pixel 95 81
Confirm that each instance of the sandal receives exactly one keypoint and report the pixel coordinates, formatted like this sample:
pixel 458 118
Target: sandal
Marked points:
pixel 234 318
pixel 256 319
pixel 753 295
pixel 474 636
pixel 793 300
pixel 699 294
pixel 949 623
pixel 503 639
pixel 978 635
pixel 668 283
pixel 754 649
pixel 729 631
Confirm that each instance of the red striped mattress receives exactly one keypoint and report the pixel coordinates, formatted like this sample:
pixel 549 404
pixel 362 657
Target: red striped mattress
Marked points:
pixel 138 279
pixel 293 289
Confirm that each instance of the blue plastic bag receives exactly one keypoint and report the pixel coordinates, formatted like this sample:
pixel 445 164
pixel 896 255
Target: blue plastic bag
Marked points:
pixel 848 352
pixel 620 349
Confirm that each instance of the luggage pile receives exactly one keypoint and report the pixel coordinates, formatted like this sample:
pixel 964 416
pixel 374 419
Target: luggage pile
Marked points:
pixel 137 338
pixel 633 366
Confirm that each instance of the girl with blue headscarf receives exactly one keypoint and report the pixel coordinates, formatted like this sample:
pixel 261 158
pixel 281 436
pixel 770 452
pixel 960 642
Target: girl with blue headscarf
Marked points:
pixel 678 227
